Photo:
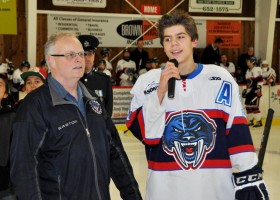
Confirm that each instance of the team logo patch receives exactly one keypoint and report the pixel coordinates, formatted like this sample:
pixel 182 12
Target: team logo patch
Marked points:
pixel 189 136
pixel 95 106
pixel 151 87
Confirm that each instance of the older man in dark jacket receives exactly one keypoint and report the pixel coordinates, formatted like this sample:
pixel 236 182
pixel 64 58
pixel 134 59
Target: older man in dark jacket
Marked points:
pixel 64 142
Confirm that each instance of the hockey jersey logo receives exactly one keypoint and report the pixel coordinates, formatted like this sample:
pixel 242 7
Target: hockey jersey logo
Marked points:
pixel 189 136
pixel 151 87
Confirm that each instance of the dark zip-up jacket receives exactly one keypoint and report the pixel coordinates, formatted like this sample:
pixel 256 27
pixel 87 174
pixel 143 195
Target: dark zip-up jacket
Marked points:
pixel 7 117
pixel 56 154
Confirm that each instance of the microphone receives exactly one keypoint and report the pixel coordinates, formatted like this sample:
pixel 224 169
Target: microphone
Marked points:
pixel 171 82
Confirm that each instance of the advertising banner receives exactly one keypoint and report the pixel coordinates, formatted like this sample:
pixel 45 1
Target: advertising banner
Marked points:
pixel 115 30
pixel 81 3
pixel 8 17
pixel 229 31
pixel 215 6
pixel 121 103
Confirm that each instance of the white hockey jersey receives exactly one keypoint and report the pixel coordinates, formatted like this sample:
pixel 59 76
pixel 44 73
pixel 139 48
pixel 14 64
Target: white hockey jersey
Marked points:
pixel 269 75
pixel 194 140
pixel 230 67
pixel 125 71
pixel 254 78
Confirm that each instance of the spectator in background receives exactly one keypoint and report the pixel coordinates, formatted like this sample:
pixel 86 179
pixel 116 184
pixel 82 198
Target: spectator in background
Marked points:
pixel 7 117
pixel 44 66
pixel 242 61
pixel 239 78
pixel 33 78
pixel 3 66
pixel 156 61
pixel 152 63
pixel 211 54
pixel 268 73
pixel 17 80
pixel 102 68
pixel 126 70
pixel 229 66
pixel 95 81
pixel 105 54
pixel 253 92
pixel 139 55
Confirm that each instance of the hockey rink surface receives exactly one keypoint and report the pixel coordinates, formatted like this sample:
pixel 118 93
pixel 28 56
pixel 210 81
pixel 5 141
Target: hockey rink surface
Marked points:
pixel 271 165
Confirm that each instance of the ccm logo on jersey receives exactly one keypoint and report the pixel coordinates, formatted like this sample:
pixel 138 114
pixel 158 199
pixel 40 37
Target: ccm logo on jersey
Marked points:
pixel 213 78
pixel 248 179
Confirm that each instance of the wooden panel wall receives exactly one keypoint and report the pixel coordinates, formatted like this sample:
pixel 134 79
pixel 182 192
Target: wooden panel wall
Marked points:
pixel 14 46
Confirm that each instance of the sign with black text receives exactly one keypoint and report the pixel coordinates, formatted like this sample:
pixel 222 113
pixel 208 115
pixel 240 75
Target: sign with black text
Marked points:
pixel 121 102
pixel 117 31
pixel 215 6
pixel 81 3
pixel 114 30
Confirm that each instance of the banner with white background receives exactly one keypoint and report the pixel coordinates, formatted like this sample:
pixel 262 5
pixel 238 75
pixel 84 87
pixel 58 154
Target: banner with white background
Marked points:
pixel 115 30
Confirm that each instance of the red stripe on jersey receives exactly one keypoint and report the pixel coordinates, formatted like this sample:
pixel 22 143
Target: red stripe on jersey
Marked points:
pixel 217 114
pixel 240 120
pixel 132 117
pixel 216 164
pixel 166 166
pixel 227 131
pixel 139 117
pixel 184 83
pixel 241 149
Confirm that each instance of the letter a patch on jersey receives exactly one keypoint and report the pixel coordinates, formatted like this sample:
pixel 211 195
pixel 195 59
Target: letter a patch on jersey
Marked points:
pixel 225 94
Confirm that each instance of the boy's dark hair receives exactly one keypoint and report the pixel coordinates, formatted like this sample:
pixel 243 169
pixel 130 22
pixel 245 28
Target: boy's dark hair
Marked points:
pixel 177 17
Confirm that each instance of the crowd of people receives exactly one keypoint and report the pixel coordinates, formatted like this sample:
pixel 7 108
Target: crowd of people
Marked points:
pixel 58 140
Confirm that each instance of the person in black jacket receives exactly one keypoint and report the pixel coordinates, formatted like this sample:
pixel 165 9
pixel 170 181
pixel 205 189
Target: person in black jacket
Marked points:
pixel 242 62
pixel 64 143
pixel 6 119
pixel 95 81
pixel 211 54
pixel 139 55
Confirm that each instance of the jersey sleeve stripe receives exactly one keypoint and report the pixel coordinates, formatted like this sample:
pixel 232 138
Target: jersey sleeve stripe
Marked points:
pixel 135 123
pixel 241 149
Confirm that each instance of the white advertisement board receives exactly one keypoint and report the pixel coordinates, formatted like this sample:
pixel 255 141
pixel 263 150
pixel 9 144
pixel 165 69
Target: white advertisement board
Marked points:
pixel 115 30
pixel 121 99
pixel 215 6
pixel 81 3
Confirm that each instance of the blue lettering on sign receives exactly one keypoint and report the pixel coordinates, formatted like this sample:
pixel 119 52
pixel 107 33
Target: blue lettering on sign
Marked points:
pixel 225 94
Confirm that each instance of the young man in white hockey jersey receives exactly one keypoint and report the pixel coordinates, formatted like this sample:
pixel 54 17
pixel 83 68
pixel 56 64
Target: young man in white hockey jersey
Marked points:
pixel 195 140
pixel 253 92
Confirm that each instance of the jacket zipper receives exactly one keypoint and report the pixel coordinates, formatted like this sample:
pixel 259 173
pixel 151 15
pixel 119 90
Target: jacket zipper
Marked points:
pixel 92 153
pixel 59 186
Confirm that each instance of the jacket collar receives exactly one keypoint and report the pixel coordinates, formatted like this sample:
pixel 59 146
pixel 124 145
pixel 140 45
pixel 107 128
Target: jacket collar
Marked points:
pixel 58 99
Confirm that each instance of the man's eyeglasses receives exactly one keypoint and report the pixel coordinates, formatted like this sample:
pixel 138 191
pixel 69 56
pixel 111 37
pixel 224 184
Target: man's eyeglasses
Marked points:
pixel 70 55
